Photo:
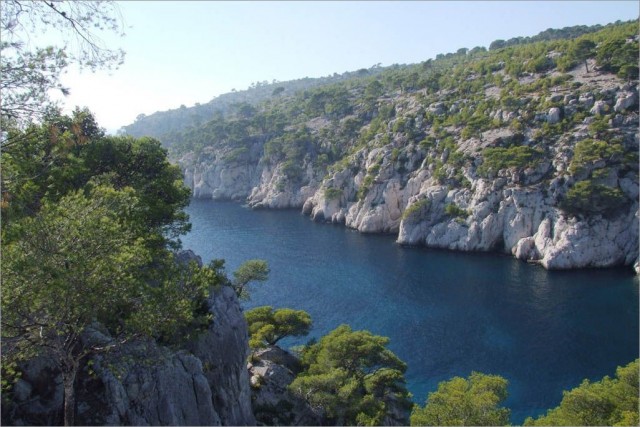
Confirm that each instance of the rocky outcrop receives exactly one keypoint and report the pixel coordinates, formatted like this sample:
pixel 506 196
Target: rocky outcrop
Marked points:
pixel 272 370
pixel 261 183
pixel 143 383
pixel 434 193
pixel 148 385
pixel 223 352
pixel 215 175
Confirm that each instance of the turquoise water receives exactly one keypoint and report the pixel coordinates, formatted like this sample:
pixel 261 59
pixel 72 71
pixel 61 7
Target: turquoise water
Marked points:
pixel 446 313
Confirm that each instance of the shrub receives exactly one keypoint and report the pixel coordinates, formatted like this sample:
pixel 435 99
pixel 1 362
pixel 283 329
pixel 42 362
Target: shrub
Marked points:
pixel 474 400
pixel 332 193
pixel 291 169
pixel 364 188
pixel 588 198
pixel 414 210
pixel 456 211
pixel 589 151
pixel 611 401
pixel 498 158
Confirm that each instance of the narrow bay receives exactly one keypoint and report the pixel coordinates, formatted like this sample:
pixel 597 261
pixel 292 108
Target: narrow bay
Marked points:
pixel 446 313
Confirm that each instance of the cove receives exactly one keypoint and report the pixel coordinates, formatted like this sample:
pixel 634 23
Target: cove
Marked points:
pixel 446 313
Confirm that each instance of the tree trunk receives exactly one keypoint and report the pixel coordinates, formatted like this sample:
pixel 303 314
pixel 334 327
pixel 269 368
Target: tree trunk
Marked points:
pixel 586 66
pixel 69 379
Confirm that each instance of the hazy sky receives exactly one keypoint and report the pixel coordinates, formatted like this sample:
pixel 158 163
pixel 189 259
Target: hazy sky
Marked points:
pixel 186 52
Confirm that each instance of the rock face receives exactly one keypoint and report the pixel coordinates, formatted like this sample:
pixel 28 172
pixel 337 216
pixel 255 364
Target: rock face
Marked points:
pixel 223 352
pixel 436 192
pixel 171 390
pixel 272 370
pixel 143 383
pixel 260 183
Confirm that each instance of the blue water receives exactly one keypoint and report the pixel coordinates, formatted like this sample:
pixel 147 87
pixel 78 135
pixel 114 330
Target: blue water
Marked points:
pixel 446 313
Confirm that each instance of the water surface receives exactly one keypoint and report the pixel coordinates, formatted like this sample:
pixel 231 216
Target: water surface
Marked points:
pixel 446 313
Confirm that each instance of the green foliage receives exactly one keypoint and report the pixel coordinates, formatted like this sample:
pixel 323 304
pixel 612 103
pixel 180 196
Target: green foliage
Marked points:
pixel 69 153
pixel 253 270
pixel 609 402
pixel 84 259
pixel 268 326
pixel 414 211
pixel 455 211
pixel 587 198
pixel 236 154
pixel 332 193
pixel 363 190
pixel 599 126
pixel 499 158
pixel 79 250
pixel 472 401
pixel 589 151
pixel 581 50
pixel 616 55
pixel 352 377
pixel 332 101
pixel 142 164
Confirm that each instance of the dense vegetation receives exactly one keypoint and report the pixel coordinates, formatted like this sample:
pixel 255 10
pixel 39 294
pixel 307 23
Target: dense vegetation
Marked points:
pixel 89 225
pixel 463 402
pixel 425 112
pixel 351 378
pixel 91 222
pixel 611 401
pixel 268 326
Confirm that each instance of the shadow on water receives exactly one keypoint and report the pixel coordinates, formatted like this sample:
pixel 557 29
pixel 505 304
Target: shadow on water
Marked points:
pixel 446 313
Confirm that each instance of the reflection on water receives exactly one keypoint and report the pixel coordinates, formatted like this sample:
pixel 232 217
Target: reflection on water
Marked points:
pixel 446 313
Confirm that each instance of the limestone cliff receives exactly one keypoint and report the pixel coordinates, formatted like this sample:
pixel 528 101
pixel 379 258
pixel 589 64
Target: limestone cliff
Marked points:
pixel 512 188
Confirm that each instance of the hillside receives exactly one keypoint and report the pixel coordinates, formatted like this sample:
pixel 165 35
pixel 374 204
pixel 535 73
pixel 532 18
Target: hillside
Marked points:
pixel 530 148
pixel 164 124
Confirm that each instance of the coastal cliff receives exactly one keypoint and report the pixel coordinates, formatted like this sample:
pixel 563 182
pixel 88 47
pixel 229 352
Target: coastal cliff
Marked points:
pixel 508 188
pixel 529 148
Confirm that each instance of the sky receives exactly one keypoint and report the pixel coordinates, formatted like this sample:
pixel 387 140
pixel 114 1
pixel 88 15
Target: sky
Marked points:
pixel 187 52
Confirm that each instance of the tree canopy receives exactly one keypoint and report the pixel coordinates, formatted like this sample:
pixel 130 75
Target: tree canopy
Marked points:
pixel 268 326
pixel 609 402
pixel 88 224
pixel 350 377
pixel 253 270
pixel 460 401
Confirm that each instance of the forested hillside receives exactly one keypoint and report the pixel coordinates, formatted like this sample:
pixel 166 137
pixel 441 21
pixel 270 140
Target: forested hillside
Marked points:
pixel 162 124
pixel 530 149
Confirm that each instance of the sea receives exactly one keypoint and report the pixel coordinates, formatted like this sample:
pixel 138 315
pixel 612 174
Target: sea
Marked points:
pixel 446 313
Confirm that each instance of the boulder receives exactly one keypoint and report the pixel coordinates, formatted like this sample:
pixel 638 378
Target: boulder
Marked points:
pixel 625 100
pixel 600 108
pixel 553 116
pixel 586 100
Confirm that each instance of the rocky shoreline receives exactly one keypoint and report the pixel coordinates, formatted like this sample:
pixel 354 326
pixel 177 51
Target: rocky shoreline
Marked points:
pixel 440 193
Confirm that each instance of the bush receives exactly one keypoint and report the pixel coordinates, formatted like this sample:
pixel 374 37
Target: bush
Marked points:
pixel 364 188
pixel 589 151
pixel 332 193
pixel 474 400
pixel 414 210
pixel 611 401
pixel 588 198
pixel 498 158
pixel 291 169
pixel 455 211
